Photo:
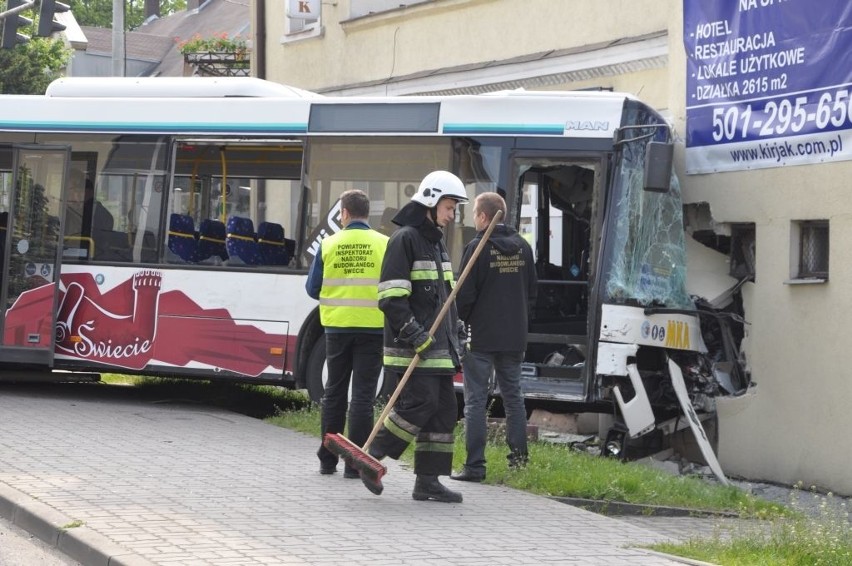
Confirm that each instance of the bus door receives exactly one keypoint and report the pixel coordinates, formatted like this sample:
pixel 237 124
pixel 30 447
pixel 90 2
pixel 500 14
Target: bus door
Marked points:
pixel 33 183
pixel 558 216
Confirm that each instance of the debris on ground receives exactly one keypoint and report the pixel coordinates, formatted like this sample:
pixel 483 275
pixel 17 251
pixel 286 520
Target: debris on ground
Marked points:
pixel 807 499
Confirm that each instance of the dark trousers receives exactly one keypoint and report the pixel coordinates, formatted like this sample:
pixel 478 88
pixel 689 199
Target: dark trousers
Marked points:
pixel 354 357
pixel 425 413
pixel 478 368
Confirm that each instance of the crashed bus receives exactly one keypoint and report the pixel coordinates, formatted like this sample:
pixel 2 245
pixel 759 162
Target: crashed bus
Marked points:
pixel 219 191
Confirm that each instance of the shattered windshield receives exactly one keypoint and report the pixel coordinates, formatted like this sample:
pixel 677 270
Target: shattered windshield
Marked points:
pixel 647 258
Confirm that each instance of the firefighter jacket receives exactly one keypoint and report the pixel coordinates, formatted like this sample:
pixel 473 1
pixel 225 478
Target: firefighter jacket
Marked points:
pixel 416 280
pixel 495 301
pixel 351 261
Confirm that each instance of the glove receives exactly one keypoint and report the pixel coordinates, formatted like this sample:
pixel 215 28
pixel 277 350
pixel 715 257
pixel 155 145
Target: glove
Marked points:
pixel 414 334
pixel 464 337
pixel 422 343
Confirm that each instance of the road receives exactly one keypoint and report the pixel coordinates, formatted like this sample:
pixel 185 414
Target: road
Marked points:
pixel 19 548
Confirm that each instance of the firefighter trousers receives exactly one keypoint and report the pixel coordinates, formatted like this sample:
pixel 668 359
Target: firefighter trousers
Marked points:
pixel 425 413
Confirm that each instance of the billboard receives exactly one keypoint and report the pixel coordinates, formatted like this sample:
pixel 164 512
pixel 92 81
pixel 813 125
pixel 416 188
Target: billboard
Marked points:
pixel 768 83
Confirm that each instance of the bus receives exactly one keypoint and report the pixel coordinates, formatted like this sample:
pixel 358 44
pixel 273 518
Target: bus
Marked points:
pixel 165 226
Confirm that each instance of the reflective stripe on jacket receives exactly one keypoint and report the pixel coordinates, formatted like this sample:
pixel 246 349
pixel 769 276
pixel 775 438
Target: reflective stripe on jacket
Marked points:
pixel 416 279
pixel 352 263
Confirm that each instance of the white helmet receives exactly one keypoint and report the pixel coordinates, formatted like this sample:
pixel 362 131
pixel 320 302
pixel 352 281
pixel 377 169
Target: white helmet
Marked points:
pixel 437 185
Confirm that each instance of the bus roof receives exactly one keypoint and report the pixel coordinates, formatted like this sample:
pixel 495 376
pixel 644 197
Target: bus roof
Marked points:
pixel 172 87
pixel 244 106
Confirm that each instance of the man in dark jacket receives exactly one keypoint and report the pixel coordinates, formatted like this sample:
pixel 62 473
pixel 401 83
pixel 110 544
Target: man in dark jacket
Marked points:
pixel 495 304
pixel 416 280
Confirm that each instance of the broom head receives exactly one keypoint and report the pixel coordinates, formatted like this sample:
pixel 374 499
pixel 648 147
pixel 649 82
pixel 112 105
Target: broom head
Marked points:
pixel 371 470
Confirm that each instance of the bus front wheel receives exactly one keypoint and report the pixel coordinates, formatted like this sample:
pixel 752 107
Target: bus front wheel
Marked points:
pixel 317 375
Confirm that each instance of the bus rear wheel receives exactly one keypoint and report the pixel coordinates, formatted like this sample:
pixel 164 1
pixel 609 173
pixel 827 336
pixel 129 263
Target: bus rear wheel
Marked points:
pixel 317 375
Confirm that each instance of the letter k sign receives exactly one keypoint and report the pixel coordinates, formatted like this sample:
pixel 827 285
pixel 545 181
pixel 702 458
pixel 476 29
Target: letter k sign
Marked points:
pixel 303 9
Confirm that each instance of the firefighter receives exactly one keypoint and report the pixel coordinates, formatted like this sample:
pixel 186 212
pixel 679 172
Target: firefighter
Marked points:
pixel 344 276
pixel 416 280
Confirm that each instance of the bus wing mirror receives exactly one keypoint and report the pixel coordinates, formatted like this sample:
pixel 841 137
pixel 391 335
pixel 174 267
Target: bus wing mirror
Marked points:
pixel 658 166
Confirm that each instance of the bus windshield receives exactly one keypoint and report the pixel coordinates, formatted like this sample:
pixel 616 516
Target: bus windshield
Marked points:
pixel 647 258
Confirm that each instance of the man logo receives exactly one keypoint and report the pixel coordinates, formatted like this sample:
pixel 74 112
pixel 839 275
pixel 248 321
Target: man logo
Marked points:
pixel 587 125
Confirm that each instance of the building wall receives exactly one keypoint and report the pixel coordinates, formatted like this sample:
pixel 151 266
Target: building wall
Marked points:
pixel 790 428
pixel 440 34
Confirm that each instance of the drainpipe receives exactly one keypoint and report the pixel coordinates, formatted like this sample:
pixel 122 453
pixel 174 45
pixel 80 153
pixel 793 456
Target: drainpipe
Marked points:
pixel 259 45
pixel 118 38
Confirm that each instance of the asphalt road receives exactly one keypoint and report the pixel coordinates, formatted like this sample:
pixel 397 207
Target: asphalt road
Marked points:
pixel 20 548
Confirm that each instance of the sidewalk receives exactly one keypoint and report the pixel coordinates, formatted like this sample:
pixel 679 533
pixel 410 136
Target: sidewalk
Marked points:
pixel 110 480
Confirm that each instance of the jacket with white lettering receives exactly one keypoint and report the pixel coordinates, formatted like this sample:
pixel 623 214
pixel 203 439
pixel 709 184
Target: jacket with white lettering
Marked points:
pixel 501 286
pixel 416 280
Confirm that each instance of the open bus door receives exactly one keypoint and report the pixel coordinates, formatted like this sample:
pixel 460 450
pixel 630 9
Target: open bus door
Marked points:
pixel 560 219
pixel 33 183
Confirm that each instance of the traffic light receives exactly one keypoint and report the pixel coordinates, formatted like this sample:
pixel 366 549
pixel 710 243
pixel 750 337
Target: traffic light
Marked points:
pixel 11 37
pixel 46 25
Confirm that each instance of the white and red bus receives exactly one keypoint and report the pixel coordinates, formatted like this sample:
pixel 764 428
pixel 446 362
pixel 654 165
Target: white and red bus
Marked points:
pixel 186 250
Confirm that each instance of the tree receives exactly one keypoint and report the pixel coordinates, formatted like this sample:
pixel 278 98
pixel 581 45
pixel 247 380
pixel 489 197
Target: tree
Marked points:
pixel 98 13
pixel 30 67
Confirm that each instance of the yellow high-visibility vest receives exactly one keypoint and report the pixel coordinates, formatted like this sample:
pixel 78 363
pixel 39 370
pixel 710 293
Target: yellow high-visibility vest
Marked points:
pixel 351 266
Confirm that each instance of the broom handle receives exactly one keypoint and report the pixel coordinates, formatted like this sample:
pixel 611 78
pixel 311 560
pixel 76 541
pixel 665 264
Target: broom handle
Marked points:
pixel 438 320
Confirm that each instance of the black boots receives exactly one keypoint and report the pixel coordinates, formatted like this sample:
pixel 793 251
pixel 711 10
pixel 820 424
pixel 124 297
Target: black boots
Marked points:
pixel 467 475
pixel 518 460
pixel 429 488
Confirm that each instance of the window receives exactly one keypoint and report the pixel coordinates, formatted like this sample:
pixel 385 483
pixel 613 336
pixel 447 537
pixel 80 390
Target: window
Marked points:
pixel 295 29
pixel 240 199
pixel 813 249
pixel 114 198
pixel 646 261
pixel 809 250
pixel 389 170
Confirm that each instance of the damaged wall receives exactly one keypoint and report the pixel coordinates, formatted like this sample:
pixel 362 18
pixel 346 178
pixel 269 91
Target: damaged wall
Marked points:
pixel 791 427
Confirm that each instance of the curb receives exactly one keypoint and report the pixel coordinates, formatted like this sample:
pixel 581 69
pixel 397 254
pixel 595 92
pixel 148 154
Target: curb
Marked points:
pixel 681 559
pixel 615 508
pixel 78 543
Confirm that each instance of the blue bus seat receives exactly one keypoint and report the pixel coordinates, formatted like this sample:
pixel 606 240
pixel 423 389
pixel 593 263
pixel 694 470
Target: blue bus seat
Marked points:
pixel 182 237
pixel 241 243
pixel 270 240
pixel 211 240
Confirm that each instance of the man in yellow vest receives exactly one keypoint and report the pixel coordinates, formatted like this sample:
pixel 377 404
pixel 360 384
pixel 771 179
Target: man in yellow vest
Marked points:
pixel 344 276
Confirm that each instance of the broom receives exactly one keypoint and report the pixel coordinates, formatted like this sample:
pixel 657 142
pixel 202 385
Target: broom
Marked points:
pixel 358 457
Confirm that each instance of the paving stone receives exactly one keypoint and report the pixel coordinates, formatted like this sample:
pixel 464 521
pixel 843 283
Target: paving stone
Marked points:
pixel 170 484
